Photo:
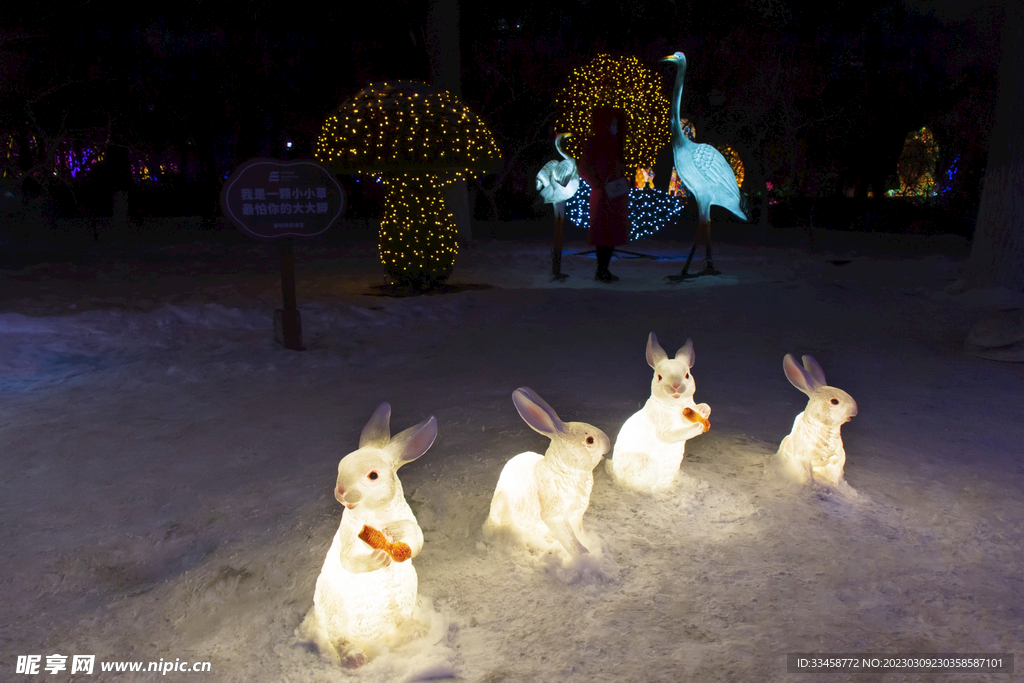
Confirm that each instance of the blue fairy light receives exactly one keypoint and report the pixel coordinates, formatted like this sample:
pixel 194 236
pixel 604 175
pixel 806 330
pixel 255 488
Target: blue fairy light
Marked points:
pixel 649 209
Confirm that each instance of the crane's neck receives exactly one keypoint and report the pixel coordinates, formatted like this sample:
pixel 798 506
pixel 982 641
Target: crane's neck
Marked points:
pixel 558 146
pixel 677 102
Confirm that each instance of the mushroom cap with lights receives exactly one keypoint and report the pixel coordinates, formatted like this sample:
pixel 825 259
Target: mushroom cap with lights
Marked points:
pixel 406 127
pixel 416 139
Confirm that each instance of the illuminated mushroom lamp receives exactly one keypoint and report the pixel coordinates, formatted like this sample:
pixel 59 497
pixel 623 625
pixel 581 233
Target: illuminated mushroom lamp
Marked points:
pixel 417 140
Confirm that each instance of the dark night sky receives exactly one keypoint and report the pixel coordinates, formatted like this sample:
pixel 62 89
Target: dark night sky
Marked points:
pixel 233 80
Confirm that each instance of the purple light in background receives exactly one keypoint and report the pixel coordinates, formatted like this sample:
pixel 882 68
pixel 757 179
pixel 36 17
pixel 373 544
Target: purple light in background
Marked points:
pixel 76 162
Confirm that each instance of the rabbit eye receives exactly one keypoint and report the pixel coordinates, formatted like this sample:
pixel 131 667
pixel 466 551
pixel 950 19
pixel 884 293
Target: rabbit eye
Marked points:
pixel 590 441
pixel 687 375
pixel 372 475
pixel 834 401
pixel 659 378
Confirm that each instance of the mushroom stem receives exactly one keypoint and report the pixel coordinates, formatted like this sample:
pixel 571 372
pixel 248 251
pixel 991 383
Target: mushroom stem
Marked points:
pixel 418 235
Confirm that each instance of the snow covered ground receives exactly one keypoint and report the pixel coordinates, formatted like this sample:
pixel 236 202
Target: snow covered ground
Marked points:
pixel 166 469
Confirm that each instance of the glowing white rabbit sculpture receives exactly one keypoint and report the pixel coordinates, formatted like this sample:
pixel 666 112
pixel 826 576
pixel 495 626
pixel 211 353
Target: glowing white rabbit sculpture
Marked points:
pixel 652 442
pixel 363 595
pixel 813 452
pixel 546 495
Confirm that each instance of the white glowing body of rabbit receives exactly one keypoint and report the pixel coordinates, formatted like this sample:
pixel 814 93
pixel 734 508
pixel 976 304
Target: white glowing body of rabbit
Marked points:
pixel 540 496
pixel 362 596
pixel 651 444
pixel 369 605
pixel 813 451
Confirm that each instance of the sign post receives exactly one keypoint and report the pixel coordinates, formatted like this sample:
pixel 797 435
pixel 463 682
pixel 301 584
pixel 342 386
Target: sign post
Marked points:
pixel 287 323
pixel 276 200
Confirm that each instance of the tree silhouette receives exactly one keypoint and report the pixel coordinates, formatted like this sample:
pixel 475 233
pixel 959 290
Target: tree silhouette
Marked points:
pixel 997 253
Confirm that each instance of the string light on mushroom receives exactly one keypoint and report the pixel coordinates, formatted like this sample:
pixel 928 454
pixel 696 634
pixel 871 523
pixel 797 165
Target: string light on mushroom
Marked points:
pixel 417 237
pixel 416 140
pixel 622 82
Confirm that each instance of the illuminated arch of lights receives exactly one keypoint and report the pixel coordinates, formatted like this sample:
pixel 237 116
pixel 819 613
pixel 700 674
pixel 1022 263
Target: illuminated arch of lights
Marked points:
pixel 622 82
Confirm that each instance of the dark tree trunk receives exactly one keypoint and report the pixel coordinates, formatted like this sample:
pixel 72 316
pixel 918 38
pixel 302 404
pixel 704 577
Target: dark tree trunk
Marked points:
pixel 997 253
pixel 443 51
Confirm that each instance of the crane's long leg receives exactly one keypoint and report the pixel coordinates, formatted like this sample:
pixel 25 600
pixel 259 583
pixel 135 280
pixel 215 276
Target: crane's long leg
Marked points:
pixel 709 265
pixel 703 232
pixel 556 252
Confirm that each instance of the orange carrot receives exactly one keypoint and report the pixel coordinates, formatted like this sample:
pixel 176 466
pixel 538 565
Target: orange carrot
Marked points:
pixel 399 552
pixel 693 416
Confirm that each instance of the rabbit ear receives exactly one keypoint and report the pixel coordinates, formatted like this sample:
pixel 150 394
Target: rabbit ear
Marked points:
pixel 815 371
pixel 413 442
pixel 377 432
pixel 655 354
pixel 537 413
pixel 686 354
pixel 798 377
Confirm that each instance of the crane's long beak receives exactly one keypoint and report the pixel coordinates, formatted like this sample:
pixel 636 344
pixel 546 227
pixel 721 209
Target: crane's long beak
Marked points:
pixel 566 135
pixel 670 58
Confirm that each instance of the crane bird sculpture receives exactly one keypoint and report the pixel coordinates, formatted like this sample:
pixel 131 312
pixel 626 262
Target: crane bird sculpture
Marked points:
pixel 557 182
pixel 704 172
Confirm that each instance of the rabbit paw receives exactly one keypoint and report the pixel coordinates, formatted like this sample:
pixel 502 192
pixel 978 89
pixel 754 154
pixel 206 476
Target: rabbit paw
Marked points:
pixel 350 656
pixel 353 659
pixel 379 559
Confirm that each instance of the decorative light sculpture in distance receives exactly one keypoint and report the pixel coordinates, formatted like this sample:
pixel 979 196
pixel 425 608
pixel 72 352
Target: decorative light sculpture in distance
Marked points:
pixel 418 140
pixel 622 82
pixel 916 165
pixel 704 171
pixel 557 182
pixel 649 210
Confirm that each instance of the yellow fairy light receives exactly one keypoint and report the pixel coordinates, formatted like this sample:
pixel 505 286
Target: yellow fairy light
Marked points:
pixel 733 157
pixel 622 82
pixel 417 140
